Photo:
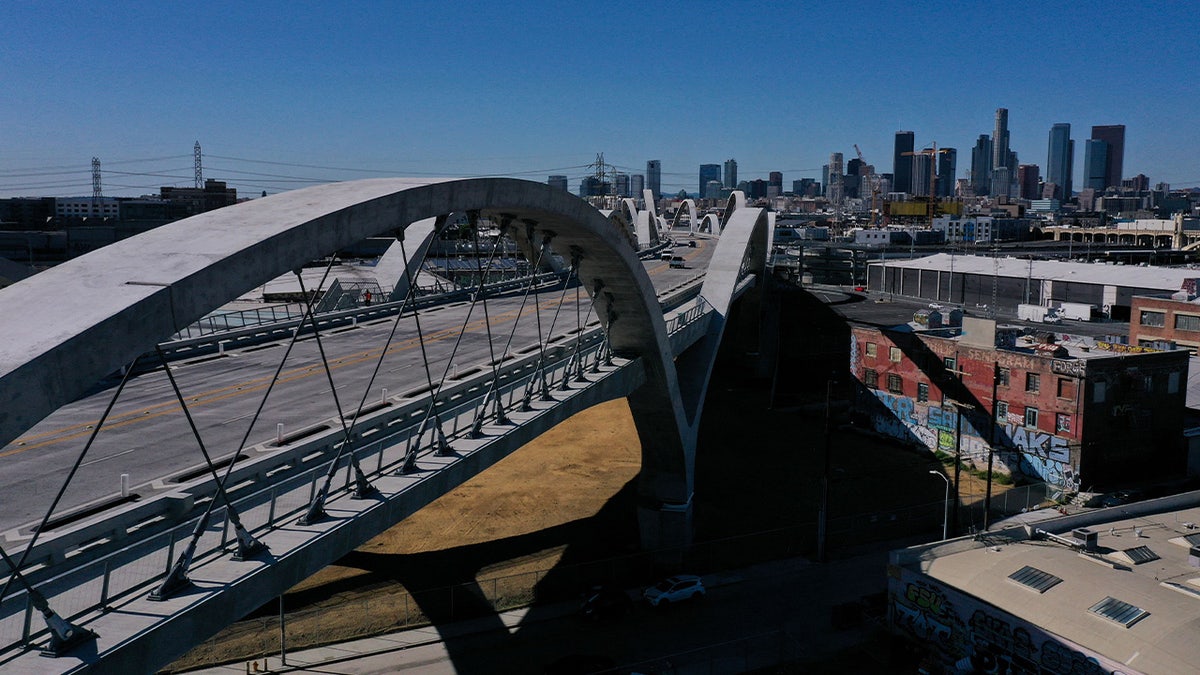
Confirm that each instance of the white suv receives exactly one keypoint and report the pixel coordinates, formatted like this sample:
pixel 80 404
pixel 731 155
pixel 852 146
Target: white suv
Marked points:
pixel 674 589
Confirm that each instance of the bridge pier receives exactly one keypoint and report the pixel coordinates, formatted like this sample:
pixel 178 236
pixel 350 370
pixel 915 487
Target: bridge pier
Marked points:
pixel 666 529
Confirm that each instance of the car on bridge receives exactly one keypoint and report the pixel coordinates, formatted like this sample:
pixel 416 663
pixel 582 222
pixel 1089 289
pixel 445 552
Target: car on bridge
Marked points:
pixel 677 261
pixel 674 589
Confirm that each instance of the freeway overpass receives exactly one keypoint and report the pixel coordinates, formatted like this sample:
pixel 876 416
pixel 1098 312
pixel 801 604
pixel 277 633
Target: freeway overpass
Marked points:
pixel 258 464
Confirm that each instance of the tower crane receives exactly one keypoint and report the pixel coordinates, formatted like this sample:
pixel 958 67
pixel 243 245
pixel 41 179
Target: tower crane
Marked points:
pixel 871 222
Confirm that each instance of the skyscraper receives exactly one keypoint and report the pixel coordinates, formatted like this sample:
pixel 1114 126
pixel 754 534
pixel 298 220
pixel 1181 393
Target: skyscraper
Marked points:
pixel 731 173
pixel 1114 135
pixel 557 181
pixel 1004 162
pixel 637 182
pixel 1060 160
pixel 981 165
pixel 708 172
pixel 654 177
pixel 902 165
pixel 833 188
pixel 921 173
pixel 1000 156
pixel 947 171
pixel 621 182
pixel 775 180
pixel 1095 161
pixel 1027 181
pixel 854 169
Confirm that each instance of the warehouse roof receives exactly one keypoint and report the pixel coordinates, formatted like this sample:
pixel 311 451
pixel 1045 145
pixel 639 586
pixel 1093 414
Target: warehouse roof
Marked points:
pixel 1141 561
pixel 1167 279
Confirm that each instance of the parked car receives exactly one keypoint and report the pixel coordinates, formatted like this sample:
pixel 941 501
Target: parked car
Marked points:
pixel 605 602
pixel 674 589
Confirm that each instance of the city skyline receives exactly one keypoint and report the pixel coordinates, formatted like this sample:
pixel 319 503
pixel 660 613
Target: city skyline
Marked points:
pixel 440 89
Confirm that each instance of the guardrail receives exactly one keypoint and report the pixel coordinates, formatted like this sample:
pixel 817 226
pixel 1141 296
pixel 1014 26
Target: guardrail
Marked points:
pixel 133 546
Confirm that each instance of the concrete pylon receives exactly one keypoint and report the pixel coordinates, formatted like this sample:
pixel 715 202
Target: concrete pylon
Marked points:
pixel 393 265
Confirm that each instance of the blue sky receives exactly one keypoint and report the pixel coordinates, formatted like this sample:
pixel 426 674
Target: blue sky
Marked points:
pixel 362 89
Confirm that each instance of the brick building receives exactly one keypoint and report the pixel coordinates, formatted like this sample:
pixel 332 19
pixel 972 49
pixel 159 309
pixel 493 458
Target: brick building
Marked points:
pixel 1175 319
pixel 1068 410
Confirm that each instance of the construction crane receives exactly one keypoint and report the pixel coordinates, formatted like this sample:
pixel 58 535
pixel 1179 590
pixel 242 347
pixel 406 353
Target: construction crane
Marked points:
pixel 874 181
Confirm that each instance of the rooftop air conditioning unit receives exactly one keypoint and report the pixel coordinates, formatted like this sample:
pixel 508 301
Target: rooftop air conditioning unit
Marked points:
pixel 1086 538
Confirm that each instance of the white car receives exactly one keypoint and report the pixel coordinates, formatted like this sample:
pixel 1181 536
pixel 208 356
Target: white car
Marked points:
pixel 674 589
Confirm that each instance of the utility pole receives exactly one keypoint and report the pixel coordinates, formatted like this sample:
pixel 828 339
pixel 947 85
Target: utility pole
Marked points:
pixel 987 495
pixel 959 407
pixel 823 513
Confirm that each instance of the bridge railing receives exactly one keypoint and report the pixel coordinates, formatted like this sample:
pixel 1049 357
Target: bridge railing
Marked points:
pixel 266 491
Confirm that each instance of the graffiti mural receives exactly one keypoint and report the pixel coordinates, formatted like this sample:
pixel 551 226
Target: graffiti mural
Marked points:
pixel 1037 454
pixel 990 641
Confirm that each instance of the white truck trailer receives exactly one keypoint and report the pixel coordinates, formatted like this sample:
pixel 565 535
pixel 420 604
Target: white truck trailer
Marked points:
pixel 1080 311
pixel 1038 314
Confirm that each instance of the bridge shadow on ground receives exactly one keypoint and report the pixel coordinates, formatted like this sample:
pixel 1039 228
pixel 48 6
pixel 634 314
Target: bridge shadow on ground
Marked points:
pixel 757 487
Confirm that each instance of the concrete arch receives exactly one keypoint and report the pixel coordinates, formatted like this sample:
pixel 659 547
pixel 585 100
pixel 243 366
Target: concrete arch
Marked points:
pixel 665 489
pixel 688 205
pixel 126 297
pixel 737 200
pixel 710 223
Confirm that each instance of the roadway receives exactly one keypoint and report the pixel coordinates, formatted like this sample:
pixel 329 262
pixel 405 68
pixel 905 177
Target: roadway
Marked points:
pixel 148 437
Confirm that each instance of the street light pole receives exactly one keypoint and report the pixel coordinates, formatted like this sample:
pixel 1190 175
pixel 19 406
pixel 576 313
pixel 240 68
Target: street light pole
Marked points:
pixel 945 502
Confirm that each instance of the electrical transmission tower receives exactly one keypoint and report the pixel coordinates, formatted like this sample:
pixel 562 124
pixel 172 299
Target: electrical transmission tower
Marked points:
pixel 95 181
pixel 199 168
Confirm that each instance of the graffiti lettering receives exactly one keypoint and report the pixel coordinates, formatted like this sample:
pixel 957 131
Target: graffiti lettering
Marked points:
pixel 925 598
pixel 1038 454
pixel 1058 659
pixel 1076 368
pixel 1125 349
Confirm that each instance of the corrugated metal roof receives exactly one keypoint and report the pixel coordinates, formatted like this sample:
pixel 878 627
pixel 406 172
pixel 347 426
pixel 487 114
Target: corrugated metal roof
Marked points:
pixel 1131 276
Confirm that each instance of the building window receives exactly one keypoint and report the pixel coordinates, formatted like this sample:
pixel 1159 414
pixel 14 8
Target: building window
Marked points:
pixel 1062 422
pixel 1173 383
pixel 871 379
pixel 1148 384
pixel 1066 388
pixel 1098 392
pixel 1001 411
pixel 1002 377
pixel 871 349
pixel 894 354
pixel 950 363
pixel 1031 415
pixel 1033 382
pixel 895 383
pixel 1153 319
pixel 1187 322
pixel 922 392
